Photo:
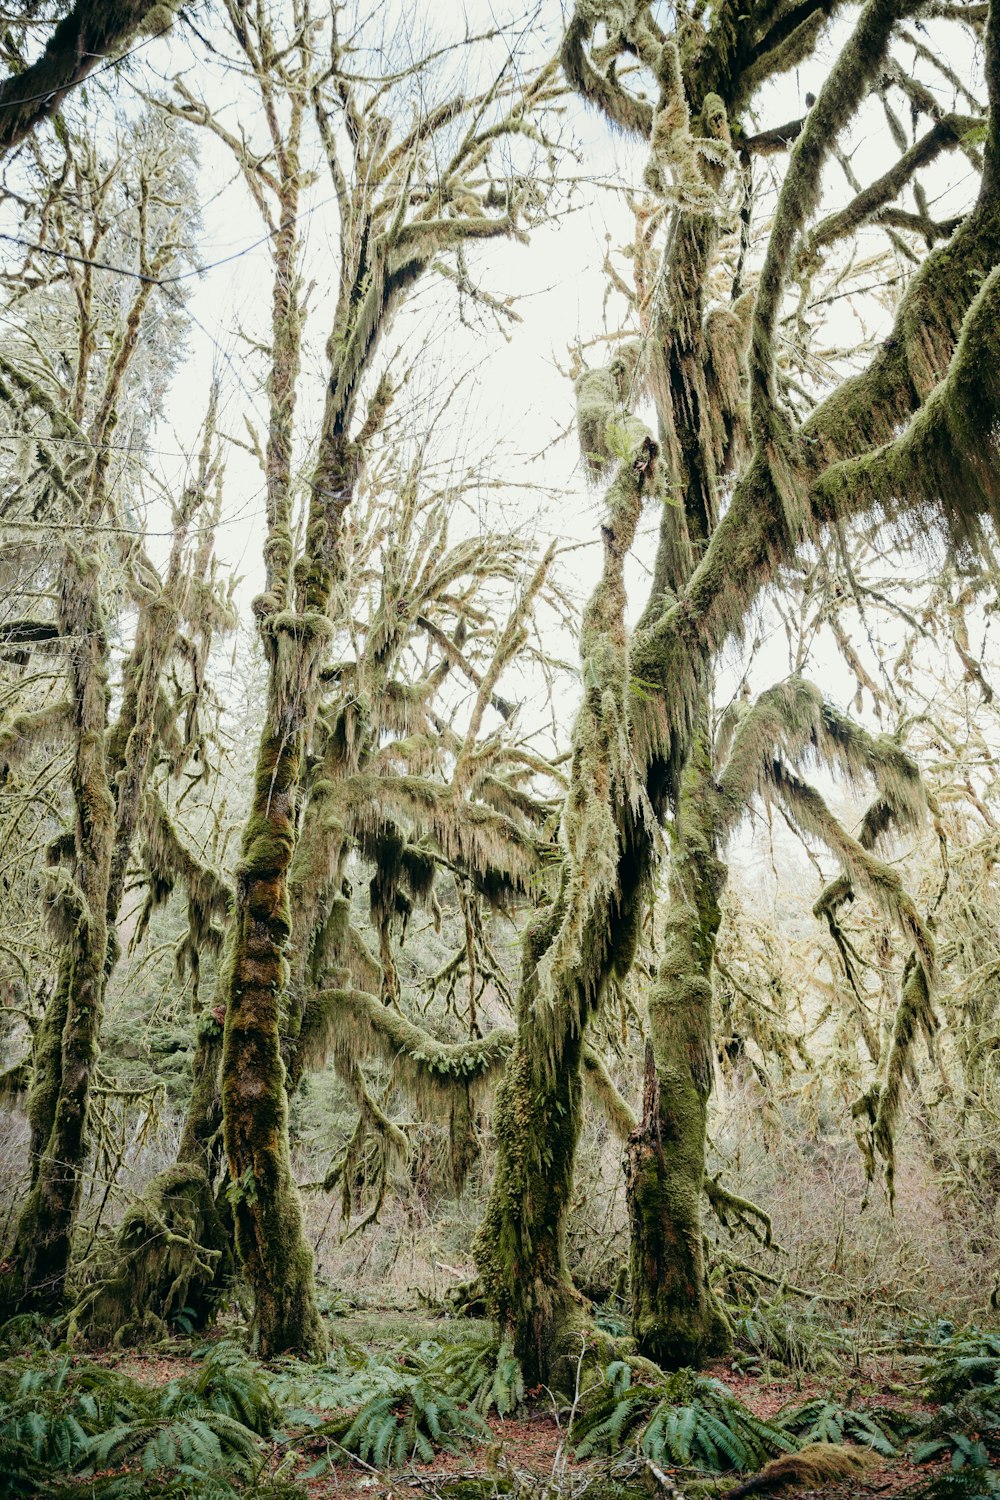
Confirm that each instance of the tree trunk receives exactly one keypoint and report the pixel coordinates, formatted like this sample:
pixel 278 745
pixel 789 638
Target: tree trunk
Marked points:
pixel 60 1092
pixel 266 1206
pixel 521 1243
pixel 675 1317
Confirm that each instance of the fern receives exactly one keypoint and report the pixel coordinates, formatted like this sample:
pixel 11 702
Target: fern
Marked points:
pixel 823 1420
pixel 785 1333
pixel 503 1391
pixel 965 1360
pixel 486 1374
pixel 70 1418
pixel 347 1379
pixel 202 1440
pixel 969 1428
pixel 229 1385
pixel 413 1421
pixel 688 1420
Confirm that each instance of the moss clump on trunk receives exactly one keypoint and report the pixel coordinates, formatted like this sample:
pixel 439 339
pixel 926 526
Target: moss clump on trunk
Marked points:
pixel 173 1258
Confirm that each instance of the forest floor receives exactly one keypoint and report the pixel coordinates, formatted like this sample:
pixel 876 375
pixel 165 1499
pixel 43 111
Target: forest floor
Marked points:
pixel 529 1454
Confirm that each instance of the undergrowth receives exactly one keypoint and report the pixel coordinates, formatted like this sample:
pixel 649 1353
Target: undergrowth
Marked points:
pixel 786 1334
pixel 686 1420
pixel 824 1420
pixel 67 1420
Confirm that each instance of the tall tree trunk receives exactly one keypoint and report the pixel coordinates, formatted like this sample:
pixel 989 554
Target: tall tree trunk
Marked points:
pixel 267 1210
pixel 266 1206
pixel 586 936
pixel 675 1317
pixel 60 1092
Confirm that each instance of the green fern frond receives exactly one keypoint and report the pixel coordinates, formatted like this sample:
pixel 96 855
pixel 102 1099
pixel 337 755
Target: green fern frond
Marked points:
pixel 824 1420
pixel 688 1420
pixel 413 1420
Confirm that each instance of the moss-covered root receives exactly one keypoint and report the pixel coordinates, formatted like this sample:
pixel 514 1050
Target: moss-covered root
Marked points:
pixel 520 1247
pixel 266 1208
pixel 171 1257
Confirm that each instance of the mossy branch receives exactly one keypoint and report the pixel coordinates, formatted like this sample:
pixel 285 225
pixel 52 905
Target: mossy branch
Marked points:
pixel 616 1109
pixel 354 1024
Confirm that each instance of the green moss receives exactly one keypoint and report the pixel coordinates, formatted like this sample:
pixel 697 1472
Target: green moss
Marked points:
pixel 171 1256
pixel 675 1317
pixel 267 1213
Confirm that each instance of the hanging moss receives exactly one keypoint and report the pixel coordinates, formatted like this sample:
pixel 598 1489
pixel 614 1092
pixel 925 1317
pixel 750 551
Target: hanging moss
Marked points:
pixel 353 1024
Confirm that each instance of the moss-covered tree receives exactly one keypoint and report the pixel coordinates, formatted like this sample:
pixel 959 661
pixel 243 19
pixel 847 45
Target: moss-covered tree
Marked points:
pixel 111 757
pixel 391 232
pixel 908 434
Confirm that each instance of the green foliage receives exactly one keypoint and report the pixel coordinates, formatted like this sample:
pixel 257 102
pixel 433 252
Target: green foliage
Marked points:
pixel 503 1391
pixel 968 1427
pixel 824 1420
pixel 422 1399
pixel 689 1420
pixel 227 1384
pixel 967 1359
pixel 182 1484
pixel 413 1420
pixel 198 1439
pixel 26 1331
pixel 955 1484
pixel 72 1417
pixel 792 1336
pixel 470 1369
pixel 347 1378
pixel 964 1375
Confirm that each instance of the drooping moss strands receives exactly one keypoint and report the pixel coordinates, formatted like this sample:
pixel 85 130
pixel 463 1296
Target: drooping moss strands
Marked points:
pixel 353 1024
pixel 878 1109
pixel 794 720
pixel 604 786
pixel 946 133
pixel 600 88
pixel 945 461
pixel 26 732
pixel 749 543
pixel 160 609
pixel 675 1318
